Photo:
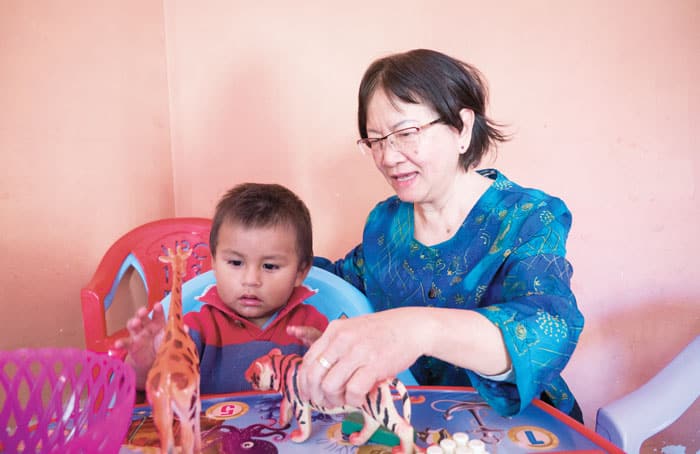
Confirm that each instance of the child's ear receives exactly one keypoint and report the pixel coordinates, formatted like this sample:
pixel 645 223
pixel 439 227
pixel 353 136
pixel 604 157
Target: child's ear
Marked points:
pixel 302 272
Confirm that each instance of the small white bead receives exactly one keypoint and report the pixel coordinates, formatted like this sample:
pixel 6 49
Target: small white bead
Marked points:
pixel 434 449
pixel 477 446
pixel 448 446
pixel 460 438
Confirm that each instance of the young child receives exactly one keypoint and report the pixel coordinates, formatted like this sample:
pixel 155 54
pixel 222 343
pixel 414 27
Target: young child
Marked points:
pixel 261 247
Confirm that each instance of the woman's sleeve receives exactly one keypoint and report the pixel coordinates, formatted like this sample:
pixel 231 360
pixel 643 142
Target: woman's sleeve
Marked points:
pixel 351 268
pixel 536 312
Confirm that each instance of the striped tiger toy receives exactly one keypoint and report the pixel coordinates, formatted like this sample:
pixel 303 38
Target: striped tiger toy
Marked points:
pixel 278 372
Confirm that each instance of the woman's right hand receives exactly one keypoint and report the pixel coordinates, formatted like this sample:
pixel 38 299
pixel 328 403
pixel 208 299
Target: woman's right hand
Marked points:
pixel 354 354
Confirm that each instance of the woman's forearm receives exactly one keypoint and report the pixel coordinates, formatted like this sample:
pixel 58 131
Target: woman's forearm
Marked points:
pixel 461 337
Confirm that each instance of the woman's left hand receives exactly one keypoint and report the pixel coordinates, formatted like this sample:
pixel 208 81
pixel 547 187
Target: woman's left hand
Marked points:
pixel 353 354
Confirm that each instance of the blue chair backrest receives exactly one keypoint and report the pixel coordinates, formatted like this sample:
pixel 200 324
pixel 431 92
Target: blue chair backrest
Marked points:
pixel 335 298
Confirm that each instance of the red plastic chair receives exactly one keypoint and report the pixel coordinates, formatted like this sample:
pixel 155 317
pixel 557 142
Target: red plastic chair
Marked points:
pixel 139 249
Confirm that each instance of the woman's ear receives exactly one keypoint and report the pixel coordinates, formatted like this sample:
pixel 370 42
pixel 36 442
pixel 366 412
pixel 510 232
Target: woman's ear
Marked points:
pixel 465 135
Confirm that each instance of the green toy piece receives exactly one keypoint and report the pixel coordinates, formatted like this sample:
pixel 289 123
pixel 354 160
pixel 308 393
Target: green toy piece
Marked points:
pixel 354 421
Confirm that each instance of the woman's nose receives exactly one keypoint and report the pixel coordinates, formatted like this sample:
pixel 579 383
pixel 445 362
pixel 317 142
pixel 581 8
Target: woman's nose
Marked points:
pixel 391 153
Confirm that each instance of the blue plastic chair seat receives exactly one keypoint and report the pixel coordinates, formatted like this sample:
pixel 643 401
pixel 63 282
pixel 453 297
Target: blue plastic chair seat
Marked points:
pixel 335 299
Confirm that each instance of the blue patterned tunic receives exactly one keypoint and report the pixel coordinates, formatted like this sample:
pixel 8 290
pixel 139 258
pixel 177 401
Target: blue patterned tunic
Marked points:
pixel 506 262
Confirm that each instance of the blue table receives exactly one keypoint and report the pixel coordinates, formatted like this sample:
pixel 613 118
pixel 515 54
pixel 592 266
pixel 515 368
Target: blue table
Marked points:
pixel 247 422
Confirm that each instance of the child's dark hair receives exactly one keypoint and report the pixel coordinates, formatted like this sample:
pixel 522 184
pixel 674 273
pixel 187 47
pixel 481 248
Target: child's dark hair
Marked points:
pixel 265 205
pixel 444 83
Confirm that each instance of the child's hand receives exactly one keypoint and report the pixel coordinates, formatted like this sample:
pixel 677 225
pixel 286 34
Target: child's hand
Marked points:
pixel 306 334
pixel 145 335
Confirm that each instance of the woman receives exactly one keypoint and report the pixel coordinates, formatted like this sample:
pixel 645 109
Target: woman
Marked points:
pixel 466 269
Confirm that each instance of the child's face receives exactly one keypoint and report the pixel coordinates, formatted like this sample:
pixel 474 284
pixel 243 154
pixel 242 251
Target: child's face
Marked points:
pixel 256 269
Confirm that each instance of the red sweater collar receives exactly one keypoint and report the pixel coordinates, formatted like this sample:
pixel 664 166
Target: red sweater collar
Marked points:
pixel 298 296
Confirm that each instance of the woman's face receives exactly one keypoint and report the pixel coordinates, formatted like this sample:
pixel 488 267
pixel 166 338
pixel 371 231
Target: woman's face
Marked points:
pixel 421 175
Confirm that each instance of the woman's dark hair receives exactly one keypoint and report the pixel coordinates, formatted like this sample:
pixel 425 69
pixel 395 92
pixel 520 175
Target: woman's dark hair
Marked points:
pixel 444 83
pixel 265 205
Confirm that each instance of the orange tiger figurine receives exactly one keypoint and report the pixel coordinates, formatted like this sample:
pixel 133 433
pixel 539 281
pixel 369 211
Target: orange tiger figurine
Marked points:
pixel 278 372
pixel 172 384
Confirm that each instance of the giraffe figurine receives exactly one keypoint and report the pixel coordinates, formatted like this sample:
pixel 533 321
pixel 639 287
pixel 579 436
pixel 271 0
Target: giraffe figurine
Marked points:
pixel 172 383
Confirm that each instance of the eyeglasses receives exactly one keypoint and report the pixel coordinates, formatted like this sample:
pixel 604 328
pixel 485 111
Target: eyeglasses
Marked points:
pixel 404 140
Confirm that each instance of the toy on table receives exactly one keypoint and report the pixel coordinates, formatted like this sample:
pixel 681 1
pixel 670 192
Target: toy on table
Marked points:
pixel 278 372
pixel 459 443
pixel 172 384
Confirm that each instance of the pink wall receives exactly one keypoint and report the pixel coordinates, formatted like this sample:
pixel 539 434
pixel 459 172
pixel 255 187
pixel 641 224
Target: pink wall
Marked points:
pixel 125 114
pixel 85 143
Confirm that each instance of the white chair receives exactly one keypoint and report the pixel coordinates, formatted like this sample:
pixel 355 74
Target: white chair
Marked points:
pixel 335 298
pixel 652 407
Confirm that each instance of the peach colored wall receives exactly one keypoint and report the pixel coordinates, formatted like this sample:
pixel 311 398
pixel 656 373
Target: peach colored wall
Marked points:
pixel 85 145
pixel 602 97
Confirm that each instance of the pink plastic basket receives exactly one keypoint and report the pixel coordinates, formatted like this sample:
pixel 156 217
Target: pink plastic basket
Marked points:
pixel 63 400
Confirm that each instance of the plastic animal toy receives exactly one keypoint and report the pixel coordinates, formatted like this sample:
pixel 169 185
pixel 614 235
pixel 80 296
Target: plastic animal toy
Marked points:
pixel 172 383
pixel 278 372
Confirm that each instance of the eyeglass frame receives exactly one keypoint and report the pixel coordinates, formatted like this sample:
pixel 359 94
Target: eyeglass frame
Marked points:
pixel 364 143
